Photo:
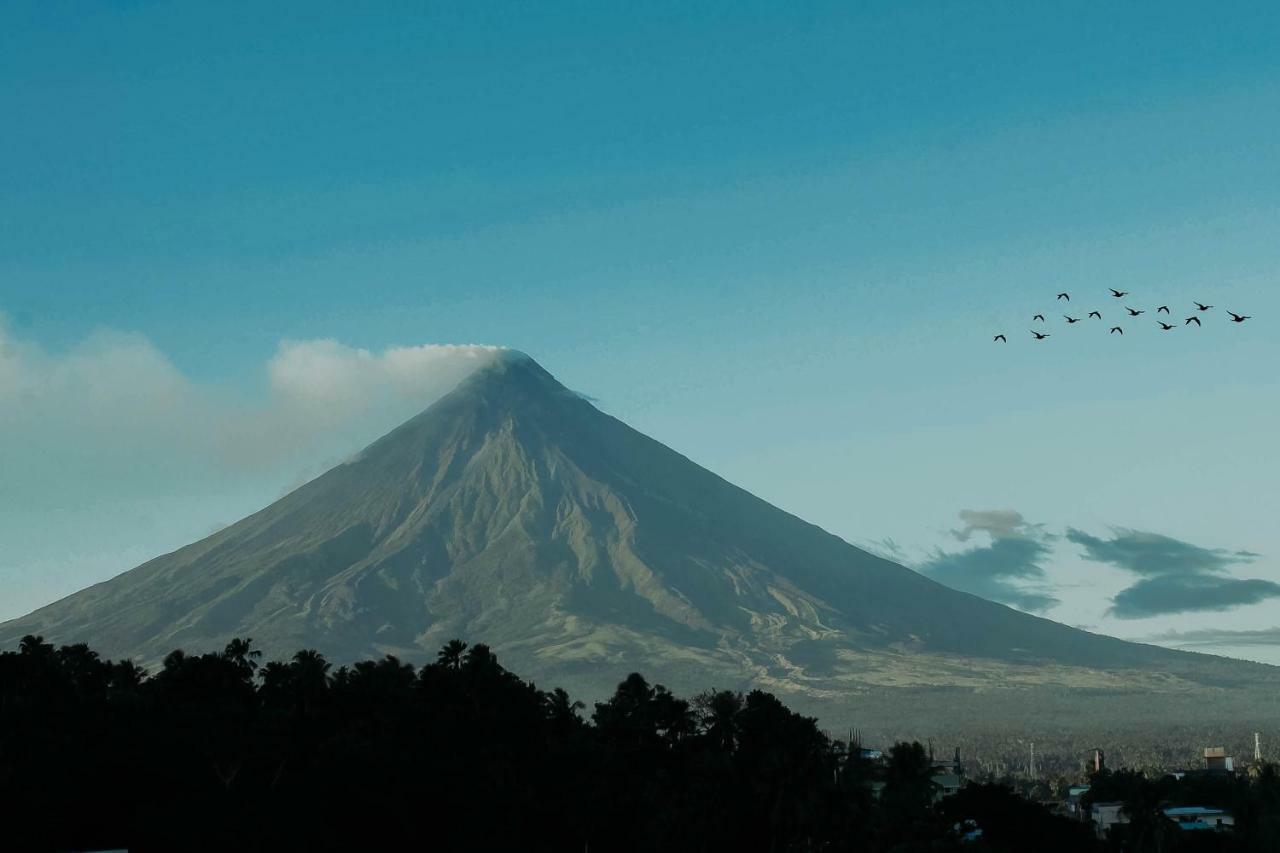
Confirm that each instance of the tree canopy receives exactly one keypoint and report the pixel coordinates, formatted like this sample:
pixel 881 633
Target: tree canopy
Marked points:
pixel 221 751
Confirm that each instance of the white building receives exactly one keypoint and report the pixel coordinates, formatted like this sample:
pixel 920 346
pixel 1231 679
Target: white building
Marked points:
pixel 1107 815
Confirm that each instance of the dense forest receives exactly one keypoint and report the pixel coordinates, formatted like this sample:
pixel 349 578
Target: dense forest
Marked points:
pixel 219 751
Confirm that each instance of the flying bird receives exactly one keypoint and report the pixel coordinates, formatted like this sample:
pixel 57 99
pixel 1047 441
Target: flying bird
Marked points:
pixel 1134 312
pixel 1118 293
pixel 1039 337
pixel 1164 308
pixel 1039 317
pixel 1193 319
pixel 1095 314
pixel 1071 319
pixel 1165 326
pixel 1115 329
pixel 1238 318
pixel 1202 306
pixel 1065 296
pixel 1000 338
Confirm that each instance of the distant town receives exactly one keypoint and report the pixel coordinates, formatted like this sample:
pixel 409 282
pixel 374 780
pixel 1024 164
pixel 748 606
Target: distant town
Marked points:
pixel 1202 798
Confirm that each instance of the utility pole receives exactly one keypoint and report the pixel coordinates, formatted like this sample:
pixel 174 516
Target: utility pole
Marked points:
pixel 1257 748
pixel 1033 759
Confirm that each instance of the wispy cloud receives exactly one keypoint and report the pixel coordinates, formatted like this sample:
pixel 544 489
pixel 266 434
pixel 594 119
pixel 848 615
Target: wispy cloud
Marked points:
pixel 115 401
pixel 319 389
pixel 327 373
pixel 1010 569
pixel 1175 576
pixel 887 547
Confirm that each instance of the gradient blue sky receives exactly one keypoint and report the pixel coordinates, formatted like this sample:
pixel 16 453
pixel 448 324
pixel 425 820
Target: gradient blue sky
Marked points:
pixel 778 239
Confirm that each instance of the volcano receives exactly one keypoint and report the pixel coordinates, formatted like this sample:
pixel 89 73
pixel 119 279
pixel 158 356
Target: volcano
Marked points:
pixel 514 512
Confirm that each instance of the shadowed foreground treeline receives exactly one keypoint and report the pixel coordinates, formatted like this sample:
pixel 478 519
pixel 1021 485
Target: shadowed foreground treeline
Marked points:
pixel 215 752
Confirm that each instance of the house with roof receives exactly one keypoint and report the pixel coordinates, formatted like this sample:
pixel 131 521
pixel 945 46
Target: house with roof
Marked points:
pixel 948 776
pixel 1216 760
pixel 1074 807
pixel 1201 818
pixel 1106 815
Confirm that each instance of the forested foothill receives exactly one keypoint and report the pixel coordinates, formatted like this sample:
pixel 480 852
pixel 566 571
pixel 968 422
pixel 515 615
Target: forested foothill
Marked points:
pixel 220 751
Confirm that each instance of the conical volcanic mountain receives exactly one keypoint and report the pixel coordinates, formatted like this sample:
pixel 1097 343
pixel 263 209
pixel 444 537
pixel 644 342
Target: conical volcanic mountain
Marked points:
pixel 513 512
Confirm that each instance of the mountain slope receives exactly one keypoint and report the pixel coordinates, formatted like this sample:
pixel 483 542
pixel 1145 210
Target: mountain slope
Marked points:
pixel 514 512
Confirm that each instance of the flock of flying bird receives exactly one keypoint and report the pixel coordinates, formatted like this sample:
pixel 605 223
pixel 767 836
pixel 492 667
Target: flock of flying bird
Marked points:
pixel 1133 312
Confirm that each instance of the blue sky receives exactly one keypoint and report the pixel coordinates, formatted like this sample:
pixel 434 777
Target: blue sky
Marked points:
pixel 777 239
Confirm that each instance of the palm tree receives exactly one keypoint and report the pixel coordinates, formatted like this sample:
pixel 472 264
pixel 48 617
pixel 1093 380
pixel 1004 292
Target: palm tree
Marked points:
pixel 562 712
pixel 450 657
pixel 719 711
pixel 368 678
pixel 481 661
pixel 35 646
pixel 276 678
pixel 311 670
pixel 126 675
pixel 304 680
pixel 241 652
pixel 85 669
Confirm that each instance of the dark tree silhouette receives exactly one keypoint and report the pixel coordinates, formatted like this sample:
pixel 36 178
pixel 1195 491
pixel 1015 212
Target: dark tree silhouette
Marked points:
pixel 242 654
pixel 216 752
pixel 450 657
pixel 908 795
pixel 1011 824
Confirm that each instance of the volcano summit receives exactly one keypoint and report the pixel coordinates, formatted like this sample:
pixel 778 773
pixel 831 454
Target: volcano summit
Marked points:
pixel 515 513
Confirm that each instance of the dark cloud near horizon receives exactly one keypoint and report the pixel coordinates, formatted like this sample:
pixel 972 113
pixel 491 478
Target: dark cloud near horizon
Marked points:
pixel 1218 637
pixel 1176 576
pixel 1154 555
pixel 1162 596
pixel 1009 570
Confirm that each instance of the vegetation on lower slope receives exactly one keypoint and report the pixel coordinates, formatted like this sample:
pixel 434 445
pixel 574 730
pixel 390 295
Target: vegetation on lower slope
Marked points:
pixel 218 752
